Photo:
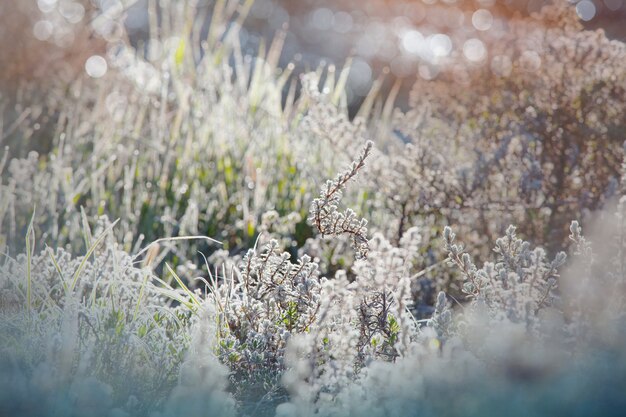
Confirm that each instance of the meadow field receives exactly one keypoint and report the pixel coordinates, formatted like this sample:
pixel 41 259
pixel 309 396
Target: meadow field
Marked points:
pixel 198 219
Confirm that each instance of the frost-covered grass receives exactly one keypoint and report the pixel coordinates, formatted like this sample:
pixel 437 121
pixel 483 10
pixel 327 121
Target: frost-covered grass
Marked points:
pixel 200 232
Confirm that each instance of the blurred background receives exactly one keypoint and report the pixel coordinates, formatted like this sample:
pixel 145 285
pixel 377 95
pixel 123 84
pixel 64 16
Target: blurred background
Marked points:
pixel 396 38
pixel 408 38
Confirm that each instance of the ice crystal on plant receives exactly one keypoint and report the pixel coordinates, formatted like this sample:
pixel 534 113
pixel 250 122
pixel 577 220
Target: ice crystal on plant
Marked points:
pixel 324 212
pixel 335 315
pixel 520 283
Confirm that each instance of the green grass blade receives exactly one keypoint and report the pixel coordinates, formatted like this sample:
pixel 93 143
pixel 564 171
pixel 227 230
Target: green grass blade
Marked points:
pixel 182 285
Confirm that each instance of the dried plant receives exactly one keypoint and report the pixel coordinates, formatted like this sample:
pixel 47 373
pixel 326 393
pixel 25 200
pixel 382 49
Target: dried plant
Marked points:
pixel 329 221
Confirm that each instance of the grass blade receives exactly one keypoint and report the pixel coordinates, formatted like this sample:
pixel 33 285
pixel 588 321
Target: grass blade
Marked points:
pixel 30 247
pixel 182 285
pixel 57 267
pixel 93 247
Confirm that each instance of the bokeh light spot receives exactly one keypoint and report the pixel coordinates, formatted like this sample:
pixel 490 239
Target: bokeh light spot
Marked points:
pixel 46 6
pixel 586 10
pixel 474 50
pixel 72 11
pixel 440 44
pixel 613 5
pixel 322 18
pixel 43 29
pixel 413 41
pixel 482 19
pixel 96 66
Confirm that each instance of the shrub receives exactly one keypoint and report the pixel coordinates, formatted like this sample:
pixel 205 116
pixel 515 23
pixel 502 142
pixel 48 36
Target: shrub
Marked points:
pixel 336 304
